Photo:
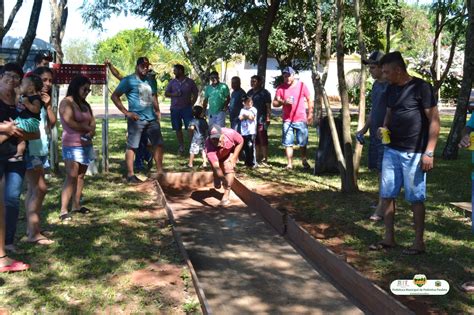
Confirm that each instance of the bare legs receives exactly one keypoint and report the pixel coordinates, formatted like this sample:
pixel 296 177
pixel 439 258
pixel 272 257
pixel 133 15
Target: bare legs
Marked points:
pixel 418 218
pixel 73 185
pixel 289 156
pixel 35 193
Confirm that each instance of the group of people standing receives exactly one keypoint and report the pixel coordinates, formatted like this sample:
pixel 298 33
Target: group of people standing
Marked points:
pixel 26 118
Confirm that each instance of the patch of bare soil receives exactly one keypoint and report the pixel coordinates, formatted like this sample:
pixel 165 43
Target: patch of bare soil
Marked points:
pixel 157 280
pixel 333 238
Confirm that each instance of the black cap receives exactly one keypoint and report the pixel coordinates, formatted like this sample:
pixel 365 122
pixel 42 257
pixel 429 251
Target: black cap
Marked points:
pixel 374 58
pixel 143 61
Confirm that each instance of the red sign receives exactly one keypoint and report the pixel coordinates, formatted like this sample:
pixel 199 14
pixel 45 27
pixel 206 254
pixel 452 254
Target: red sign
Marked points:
pixel 64 73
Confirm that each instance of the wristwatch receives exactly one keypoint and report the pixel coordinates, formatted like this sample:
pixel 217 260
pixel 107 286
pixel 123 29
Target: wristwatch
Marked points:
pixel 429 154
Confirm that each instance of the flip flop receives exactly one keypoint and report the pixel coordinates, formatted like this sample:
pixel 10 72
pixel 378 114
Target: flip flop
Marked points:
pixel 41 241
pixel 468 287
pixel 15 266
pixel 413 251
pixel 375 218
pixel 83 210
pixel 65 217
pixel 379 246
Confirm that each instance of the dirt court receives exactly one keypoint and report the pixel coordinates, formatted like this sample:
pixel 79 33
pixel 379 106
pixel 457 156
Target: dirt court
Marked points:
pixel 243 265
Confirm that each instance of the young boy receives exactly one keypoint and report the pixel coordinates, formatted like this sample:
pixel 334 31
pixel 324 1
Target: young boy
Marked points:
pixel 248 130
pixel 29 107
pixel 199 129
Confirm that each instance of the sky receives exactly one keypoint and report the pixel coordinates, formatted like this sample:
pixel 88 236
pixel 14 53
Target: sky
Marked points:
pixel 75 28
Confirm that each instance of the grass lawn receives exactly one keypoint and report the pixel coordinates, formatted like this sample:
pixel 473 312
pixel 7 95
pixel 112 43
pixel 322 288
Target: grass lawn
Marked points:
pixel 93 265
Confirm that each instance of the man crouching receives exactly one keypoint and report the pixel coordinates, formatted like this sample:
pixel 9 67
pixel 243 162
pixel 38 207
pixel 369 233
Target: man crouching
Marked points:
pixel 222 150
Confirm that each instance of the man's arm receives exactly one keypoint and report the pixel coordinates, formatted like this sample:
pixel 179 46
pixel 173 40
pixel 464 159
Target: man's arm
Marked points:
pixel 118 103
pixel 434 125
pixel 195 92
pixel 365 128
pixel 310 110
pixel 113 70
pixel 156 106
pixel 386 120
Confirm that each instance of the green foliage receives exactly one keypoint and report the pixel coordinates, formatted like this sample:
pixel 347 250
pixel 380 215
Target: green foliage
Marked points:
pixel 451 86
pixel 127 46
pixel 78 51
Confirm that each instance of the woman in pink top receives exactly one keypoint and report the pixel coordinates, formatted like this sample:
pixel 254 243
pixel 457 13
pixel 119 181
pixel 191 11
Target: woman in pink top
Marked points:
pixel 78 130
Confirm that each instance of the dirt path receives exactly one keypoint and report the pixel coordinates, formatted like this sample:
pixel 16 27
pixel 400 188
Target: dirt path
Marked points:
pixel 244 266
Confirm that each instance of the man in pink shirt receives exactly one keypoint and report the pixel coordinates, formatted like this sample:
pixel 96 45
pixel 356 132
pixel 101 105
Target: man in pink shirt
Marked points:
pixel 222 149
pixel 293 95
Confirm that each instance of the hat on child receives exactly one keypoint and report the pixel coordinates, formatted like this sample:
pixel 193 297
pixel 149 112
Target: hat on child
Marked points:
pixel 289 70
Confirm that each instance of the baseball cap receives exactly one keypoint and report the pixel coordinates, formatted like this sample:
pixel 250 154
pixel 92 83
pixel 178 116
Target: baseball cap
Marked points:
pixel 143 61
pixel 43 56
pixel 374 58
pixel 289 70
pixel 216 132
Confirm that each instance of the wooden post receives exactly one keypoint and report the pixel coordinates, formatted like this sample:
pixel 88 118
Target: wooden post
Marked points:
pixel 53 144
pixel 105 128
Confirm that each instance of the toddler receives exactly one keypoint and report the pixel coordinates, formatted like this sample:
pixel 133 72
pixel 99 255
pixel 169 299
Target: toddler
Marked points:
pixel 29 106
pixel 199 129
pixel 248 130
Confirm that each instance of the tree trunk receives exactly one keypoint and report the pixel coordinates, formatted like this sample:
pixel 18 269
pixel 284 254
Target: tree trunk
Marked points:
pixel 363 77
pixel 263 38
pixel 59 14
pixel 348 181
pixel 450 151
pixel 315 56
pixel 30 33
pixel 5 28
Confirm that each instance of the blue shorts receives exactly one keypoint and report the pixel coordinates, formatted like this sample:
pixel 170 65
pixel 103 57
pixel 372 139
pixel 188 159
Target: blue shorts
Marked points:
pixel 180 115
pixel 403 168
pixel 81 155
pixel 288 133
pixel 36 161
pixel 135 129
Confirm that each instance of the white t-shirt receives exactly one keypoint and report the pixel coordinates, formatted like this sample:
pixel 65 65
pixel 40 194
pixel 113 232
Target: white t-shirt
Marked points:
pixel 247 126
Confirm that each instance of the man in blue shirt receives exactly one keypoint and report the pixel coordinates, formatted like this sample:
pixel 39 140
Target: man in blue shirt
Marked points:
pixel 143 115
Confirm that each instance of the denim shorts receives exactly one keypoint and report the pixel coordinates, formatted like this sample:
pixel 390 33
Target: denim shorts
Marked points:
pixel 403 169
pixel 36 161
pixel 81 155
pixel 180 115
pixel 288 133
pixel 217 119
pixel 135 129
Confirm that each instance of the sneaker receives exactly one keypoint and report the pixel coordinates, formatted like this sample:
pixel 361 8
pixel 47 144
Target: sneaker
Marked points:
pixel 134 180
pixel 16 158
pixel 224 202
pixel 306 165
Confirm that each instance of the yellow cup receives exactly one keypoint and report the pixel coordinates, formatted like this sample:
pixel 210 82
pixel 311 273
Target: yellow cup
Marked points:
pixel 471 136
pixel 385 136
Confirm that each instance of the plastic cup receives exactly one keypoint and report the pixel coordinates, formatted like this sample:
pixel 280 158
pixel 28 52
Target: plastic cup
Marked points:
pixel 385 136
pixel 471 136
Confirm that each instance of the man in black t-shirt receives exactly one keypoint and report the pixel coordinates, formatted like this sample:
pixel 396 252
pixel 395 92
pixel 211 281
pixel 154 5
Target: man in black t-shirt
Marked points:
pixel 412 119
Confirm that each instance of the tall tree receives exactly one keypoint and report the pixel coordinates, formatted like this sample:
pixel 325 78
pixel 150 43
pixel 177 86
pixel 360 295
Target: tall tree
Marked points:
pixel 4 28
pixel 449 16
pixel 30 33
pixel 59 13
pixel 450 151
pixel 263 34
pixel 348 181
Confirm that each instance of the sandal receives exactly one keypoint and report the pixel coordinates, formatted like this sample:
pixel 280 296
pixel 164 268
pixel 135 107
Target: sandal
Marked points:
pixel 380 245
pixel 14 266
pixel 82 210
pixel 65 217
